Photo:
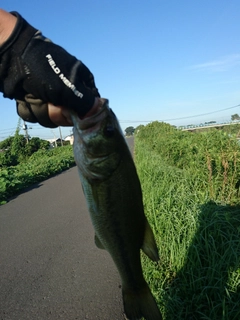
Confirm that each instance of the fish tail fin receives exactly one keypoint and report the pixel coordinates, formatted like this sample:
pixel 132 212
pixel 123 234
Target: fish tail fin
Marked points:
pixel 140 303
pixel 149 246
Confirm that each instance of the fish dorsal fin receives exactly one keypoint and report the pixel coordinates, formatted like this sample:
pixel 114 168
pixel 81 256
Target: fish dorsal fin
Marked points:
pixel 149 246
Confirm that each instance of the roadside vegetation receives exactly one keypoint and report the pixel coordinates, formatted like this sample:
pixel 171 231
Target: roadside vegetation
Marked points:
pixel 190 185
pixel 191 193
pixel 22 164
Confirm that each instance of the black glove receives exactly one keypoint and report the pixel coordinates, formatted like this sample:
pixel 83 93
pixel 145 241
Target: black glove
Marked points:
pixel 32 64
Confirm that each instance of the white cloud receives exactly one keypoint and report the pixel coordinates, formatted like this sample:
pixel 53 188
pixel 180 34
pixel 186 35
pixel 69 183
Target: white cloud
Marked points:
pixel 218 65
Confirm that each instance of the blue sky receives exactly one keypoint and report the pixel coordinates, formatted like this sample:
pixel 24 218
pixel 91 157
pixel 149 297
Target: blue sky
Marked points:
pixel 154 60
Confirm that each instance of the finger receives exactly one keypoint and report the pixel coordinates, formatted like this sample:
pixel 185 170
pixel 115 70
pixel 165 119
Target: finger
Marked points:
pixel 59 115
pixel 40 111
pixel 25 112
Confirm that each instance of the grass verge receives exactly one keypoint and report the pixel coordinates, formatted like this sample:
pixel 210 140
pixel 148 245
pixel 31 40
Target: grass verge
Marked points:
pixel 198 276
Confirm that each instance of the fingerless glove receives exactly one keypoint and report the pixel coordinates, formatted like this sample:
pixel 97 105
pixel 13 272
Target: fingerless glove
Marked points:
pixel 32 64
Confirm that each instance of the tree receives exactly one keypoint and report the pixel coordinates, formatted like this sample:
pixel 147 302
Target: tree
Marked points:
pixel 129 131
pixel 14 150
pixel 34 145
pixel 18 144
pixel 235 117
pixel 138 128
pixel 6 144
pixel 7 159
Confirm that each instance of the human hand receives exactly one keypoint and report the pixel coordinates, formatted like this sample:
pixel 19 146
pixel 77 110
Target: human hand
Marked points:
pixel 61 116
pixel 32 66
pixel 48 115
pixel 35 110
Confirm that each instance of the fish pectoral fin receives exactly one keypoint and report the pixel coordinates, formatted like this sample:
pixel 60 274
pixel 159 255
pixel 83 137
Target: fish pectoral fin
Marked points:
pixel 98 243
pixel 149 246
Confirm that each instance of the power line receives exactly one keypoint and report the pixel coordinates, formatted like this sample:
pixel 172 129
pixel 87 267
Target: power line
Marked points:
pixel 39 127
pixel 9 129
pixel 203 114
pixel 182 118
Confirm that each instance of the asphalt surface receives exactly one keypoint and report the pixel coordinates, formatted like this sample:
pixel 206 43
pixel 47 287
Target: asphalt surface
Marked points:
pixel 50 267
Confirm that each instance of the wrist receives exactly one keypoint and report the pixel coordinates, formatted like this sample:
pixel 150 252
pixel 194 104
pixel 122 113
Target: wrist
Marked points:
pixel 7 25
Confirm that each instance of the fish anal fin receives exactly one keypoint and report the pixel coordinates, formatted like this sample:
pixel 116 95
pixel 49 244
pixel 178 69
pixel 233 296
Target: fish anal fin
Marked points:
pixel 98 243
pixel 149 246
pixel 140 303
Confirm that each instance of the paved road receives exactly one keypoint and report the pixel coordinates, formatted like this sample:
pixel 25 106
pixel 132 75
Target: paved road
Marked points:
pixel 49 265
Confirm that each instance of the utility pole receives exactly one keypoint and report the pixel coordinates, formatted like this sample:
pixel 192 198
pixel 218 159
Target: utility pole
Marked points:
pixel 25 128
pixel 60 132
pixel 54 138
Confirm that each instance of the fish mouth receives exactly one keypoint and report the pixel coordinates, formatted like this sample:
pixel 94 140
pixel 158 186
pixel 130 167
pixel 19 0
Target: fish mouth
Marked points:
pixel 94 121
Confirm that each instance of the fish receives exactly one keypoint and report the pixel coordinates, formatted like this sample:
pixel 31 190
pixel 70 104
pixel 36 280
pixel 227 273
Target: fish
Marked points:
pixel 114 198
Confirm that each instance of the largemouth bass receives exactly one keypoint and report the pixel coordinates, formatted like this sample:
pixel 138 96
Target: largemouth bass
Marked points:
pixel 114 197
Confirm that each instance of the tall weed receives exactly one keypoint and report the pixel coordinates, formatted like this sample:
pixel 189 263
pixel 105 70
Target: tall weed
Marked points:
pixel 40 166
pixel 191 202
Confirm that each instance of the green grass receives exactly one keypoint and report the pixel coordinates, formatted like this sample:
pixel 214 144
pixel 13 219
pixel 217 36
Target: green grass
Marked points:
pixel 40 166
pixel 188 183
pixel 198 276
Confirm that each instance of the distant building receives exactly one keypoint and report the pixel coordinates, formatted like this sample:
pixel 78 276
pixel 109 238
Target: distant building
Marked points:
pixel 57 141
pixel 69 138
pixel 54 142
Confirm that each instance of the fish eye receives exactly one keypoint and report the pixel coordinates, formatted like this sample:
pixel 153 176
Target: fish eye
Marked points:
pixel 109 131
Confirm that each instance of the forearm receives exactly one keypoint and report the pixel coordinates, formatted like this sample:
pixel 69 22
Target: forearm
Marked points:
pixel 7 24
